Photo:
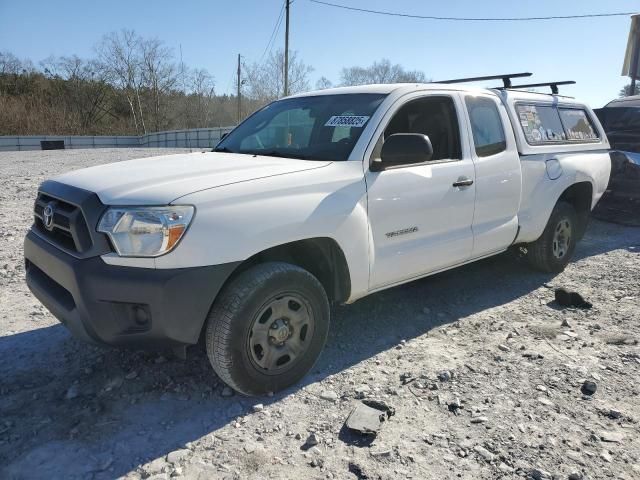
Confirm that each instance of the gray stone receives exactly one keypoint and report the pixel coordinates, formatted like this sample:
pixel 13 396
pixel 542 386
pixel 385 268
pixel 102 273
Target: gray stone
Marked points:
pixel 611 437
pixel 362 391
pixel 178 455
pixel 381 452
pixel 258 407
pixel 155 466
pixel 312 440
pixel 444 375
pixel 329 395
pixel 249 448
pixel 484 453
pixel 538 474
pixel 226 392
pixel 479 420
pixel 589 387
pixel 504 348
pixel 606 456
pixel 545 401
pixel 615 414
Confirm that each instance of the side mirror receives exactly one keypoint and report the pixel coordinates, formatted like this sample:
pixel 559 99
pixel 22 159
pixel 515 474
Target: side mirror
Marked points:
pixel 403 149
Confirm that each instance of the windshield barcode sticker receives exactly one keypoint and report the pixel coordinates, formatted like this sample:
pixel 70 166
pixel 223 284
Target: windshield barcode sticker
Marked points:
pixel 347 121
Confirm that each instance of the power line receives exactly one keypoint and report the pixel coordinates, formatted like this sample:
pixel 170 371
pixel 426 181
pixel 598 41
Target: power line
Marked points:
pixel 276 29
pixel 472 19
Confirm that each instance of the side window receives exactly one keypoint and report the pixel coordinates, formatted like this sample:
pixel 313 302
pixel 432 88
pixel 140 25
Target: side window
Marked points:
pixel 486 126
pixel 577 124
pixel 541 124
pixel 432 116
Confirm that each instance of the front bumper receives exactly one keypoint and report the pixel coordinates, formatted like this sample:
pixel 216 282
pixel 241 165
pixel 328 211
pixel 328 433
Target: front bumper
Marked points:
pixel 115 305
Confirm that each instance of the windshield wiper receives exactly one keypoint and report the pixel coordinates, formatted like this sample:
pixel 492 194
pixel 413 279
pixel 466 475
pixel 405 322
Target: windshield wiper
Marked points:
pixel 276 153
pixel 223 150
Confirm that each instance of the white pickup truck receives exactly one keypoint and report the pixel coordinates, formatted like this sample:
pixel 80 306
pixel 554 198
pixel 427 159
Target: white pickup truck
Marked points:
pixel 315 199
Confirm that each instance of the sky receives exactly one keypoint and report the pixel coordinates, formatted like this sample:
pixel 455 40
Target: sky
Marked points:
pixel 213 32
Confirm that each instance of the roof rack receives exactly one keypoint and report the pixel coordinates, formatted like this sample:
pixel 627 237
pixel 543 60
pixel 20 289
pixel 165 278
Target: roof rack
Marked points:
pixel 553 85
pixel 505 77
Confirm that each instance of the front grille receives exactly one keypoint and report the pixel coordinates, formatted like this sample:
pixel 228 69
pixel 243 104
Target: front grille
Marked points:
pixel 67 228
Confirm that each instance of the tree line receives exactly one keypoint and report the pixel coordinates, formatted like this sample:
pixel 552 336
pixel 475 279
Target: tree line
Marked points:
pixel 133 85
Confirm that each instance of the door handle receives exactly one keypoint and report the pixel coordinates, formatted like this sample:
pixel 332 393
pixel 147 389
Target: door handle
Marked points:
pixel 463 182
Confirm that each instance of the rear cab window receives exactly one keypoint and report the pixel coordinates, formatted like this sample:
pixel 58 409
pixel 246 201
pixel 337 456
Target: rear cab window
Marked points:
pixel 577 124
pixel 549 124
pixel 486 126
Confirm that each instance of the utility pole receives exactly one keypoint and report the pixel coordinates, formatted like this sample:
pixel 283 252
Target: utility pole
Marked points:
pixel 286 52
pixel 239 93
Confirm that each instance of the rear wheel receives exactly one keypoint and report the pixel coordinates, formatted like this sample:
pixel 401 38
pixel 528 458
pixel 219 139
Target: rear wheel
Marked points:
pixel 267 328
pixel 553 250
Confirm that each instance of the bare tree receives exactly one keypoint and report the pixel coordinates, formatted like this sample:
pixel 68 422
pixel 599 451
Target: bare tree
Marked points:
pixel 626 91
pixel 119 55
pixel 12 65
pixel 323 83
pixel 201 96
pixel 380 72
pixel 159 75
pixel 265 82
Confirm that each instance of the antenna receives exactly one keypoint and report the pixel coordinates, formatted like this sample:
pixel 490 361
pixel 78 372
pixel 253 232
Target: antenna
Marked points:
pixel 505 77
pixel 553 85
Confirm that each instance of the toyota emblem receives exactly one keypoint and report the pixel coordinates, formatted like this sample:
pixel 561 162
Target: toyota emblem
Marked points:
pixel 47 217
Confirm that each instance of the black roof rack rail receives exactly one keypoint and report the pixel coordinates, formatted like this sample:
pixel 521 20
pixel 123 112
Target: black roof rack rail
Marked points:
pixel 505 77
pixel 553 85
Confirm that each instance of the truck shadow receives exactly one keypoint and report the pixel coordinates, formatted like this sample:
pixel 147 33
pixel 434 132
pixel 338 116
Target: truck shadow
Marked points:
pixel 73 410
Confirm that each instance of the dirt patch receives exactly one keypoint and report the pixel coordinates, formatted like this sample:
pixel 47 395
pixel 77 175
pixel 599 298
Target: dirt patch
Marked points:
pixel 484 370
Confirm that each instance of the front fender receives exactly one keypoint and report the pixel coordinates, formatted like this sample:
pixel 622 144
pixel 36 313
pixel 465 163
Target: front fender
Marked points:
pixel 235 222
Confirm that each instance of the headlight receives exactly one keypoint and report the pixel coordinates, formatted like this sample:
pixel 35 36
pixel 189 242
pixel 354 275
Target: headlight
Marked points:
pixel 145 231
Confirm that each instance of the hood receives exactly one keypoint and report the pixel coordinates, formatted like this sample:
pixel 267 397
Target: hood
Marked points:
pixel 160 180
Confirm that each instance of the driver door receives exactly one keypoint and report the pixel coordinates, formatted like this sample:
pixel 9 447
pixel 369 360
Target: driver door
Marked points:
pixel 420 221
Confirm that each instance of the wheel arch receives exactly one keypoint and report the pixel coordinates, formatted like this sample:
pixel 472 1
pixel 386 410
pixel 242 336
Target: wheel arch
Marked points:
pixel 579 195
pixel 578 192
pixel 320 256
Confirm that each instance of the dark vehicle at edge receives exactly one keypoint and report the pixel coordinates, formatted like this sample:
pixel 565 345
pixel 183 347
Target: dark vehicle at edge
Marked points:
pixel 621 121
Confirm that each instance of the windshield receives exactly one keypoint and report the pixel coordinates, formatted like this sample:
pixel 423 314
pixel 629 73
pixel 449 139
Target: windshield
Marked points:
pixel 323 127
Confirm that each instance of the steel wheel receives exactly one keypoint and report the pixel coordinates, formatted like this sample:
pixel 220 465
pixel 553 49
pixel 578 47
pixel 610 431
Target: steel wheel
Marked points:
pixel 281 333
pixel 561 238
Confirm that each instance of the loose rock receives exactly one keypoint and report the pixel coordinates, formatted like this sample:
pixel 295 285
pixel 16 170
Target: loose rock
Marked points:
pixel 329 395
pixel 589 387
pixel 484 453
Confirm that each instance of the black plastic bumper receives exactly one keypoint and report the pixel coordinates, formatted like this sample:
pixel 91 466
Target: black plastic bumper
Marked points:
pixel 115 305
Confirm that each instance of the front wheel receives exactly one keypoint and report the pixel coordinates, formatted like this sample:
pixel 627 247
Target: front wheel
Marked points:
pixel 267 328
pixel 553 250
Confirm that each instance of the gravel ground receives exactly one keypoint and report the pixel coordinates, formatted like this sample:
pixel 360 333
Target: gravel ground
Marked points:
pixel 484 370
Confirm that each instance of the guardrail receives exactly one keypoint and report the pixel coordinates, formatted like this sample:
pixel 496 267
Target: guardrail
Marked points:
pixel 192 138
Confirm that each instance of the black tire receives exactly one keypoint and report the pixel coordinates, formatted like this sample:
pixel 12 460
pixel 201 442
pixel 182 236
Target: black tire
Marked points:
pixel 233 319
pixel 544 254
